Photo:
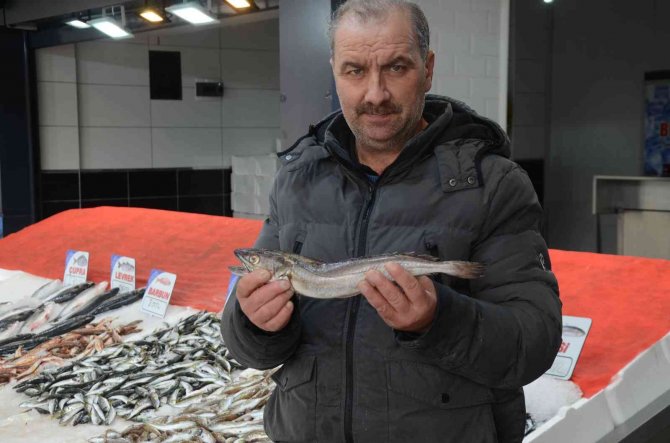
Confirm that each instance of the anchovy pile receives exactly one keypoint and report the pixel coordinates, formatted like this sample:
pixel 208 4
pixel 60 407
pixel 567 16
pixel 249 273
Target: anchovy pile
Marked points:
pixel 234 414
pixel 179 366
pixel 93 337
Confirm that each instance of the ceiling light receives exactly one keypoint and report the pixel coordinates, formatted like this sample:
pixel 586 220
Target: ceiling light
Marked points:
pixel 151 15
pixel 239 4
pixel 192 12
pixel 78 24
pixel 110 27
pixel 548 1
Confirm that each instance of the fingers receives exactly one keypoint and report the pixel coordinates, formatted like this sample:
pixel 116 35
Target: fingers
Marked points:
pixel 376 300
pixel 248 283
pixel 280 320
pixel 393 295
pixel 410 285
pixel 272 307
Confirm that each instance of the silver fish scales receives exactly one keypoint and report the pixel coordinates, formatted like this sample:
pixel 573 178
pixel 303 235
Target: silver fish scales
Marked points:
pixel 317 279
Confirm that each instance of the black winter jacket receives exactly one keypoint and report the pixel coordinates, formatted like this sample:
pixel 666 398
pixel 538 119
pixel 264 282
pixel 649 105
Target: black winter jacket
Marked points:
pixel 346 375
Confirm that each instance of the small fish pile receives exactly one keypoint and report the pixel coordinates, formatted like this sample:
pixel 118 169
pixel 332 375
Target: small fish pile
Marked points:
pixel 39 319
pixel 179 366
pixel 313 278
pixel 93 337
pixel 234 414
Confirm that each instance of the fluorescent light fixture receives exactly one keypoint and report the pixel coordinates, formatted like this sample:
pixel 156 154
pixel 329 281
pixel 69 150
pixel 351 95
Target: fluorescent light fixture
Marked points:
pixel 548 1
pixel 109 26
pixel 192 12
pixel 78 24
pixel 239 4
pixel 151 16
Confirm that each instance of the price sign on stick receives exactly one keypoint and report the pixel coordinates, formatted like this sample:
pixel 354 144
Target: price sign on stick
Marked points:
pixel 76 267
pixel 123 273
pixel 575 330
pixel 159 290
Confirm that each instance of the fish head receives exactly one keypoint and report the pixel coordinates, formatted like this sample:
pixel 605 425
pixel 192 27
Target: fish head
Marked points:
pixel 253 259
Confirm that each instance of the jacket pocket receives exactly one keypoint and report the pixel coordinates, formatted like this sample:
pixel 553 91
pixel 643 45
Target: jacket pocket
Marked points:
pixel 427 403
pixel 291 411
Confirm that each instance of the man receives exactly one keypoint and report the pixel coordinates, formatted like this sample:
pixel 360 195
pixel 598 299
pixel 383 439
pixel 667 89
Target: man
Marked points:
pixel 418 359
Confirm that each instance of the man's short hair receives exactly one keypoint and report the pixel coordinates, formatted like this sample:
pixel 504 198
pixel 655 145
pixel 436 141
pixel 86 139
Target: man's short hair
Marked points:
pixel 366 10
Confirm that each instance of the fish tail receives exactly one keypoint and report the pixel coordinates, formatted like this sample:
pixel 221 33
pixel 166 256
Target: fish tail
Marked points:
pixel 465 269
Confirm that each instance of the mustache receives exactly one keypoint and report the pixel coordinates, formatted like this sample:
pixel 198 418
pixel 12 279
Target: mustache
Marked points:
pixel 383 109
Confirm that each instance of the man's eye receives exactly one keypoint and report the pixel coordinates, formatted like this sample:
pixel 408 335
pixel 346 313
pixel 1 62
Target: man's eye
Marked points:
pixel 397 68
pixel 355 71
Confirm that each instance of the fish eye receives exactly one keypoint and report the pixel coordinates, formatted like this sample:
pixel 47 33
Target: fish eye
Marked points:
pixel 254 259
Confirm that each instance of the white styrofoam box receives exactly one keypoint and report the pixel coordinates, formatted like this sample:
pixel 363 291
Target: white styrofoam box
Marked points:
pixel 238 214
pixel 484 87
pixel 470 65
pixel 189 112
pixel 114 105
pixel 56 64
pixel 250 69
pixel 638 384
pixel 257 35
pixel 243 184
pixel 115 148
pixel 186 147
pixel 492 67
pixel 249 141
pixel 266 165
pixel 196 63
pixel 250 108
pixel 586 421
pixel 529 76
pixel 449 43
pixel 456 87
pixel 261 204
pixel 59 147
pixel 57 104
pixel 243 202
pixel 185 36
pixel 529 108
pixel 112 63
pixel 475 22
pixel 528 142
pixel 243 165
pixel 485 44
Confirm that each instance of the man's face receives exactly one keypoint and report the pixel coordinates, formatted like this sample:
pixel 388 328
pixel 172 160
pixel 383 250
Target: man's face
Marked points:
pixel 381 79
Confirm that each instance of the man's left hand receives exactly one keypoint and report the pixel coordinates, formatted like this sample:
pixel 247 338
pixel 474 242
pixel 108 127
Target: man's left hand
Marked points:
pixel 407 305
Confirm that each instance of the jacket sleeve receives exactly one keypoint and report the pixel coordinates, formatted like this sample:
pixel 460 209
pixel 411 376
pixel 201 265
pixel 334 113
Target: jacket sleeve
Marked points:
pixel 250 345
pixel 507 333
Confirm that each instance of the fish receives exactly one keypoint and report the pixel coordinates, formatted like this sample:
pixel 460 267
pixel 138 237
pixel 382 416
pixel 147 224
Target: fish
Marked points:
pixel 322 280
pixel 48 289
pixel 80 301
pixel 67 293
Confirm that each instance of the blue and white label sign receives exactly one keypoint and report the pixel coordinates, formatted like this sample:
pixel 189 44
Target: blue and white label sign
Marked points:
pixel 123 273
pixel 76 267
pixel 159 290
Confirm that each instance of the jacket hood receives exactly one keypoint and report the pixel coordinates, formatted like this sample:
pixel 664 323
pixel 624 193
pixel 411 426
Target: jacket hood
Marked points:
pixel 451 123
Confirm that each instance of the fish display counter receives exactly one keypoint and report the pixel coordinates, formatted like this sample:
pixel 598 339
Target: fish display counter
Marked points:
pixel 621 373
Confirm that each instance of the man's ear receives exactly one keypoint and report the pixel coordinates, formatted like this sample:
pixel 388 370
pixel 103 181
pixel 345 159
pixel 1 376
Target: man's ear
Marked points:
pixel 430 65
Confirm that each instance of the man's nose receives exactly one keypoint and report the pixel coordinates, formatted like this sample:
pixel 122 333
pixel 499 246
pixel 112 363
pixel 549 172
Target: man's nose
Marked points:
pixel 376 92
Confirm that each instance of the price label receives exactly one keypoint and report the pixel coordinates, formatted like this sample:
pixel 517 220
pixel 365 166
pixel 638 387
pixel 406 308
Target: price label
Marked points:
pixel 76 267
pixel 575 330
pixel 123 273
pixel 158 293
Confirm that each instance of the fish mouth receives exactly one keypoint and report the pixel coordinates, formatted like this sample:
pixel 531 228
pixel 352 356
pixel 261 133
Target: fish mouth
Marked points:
pixel 243 255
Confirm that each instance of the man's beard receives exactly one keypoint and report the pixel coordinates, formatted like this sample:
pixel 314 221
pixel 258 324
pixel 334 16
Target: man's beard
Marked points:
pixel 401 134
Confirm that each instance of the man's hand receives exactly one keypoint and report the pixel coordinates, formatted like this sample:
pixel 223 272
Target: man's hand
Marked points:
pixel 406 306
pixel 267 304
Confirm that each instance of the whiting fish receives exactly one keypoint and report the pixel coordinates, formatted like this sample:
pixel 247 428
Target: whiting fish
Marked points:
pixel 317 279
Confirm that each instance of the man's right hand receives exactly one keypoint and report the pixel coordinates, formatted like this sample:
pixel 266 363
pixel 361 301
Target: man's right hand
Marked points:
pixel 267 304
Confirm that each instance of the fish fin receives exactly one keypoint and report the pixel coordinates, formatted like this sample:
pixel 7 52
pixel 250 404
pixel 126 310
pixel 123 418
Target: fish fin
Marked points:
pixel 467 269
pixel 421 256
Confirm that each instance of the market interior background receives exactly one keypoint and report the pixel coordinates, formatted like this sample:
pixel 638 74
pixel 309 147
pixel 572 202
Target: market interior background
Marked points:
pixel 158 120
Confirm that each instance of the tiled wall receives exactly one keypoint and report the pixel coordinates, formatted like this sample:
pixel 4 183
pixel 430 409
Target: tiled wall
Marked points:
pixel 471 52
pixel 205 191
pixel 96 114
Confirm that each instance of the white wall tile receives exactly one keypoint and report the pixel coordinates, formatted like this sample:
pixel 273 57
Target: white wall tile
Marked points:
pixel 111 105
pixel 185 36
pixel 486 5
pixel 115 148
pixel 250 108
pixel 453 43
pixel 187 147
pixel 470 65
pixel 444 64
pixel 188 112
pixel 56 64
pixel 484 44
pixel 456 87
pixel 475 22
pixel 492 67
pixel 112 63
pixel 484 87
pixel 59 147
pixel 252 141
pixel 57 103
pixel 257 35
pixel 250 69
pixel 491 109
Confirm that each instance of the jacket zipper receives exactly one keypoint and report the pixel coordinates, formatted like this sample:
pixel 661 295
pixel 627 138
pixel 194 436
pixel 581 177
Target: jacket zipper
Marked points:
pixel 351 327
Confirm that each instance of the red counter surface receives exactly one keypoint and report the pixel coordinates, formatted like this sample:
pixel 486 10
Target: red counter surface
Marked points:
pixel 628 298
